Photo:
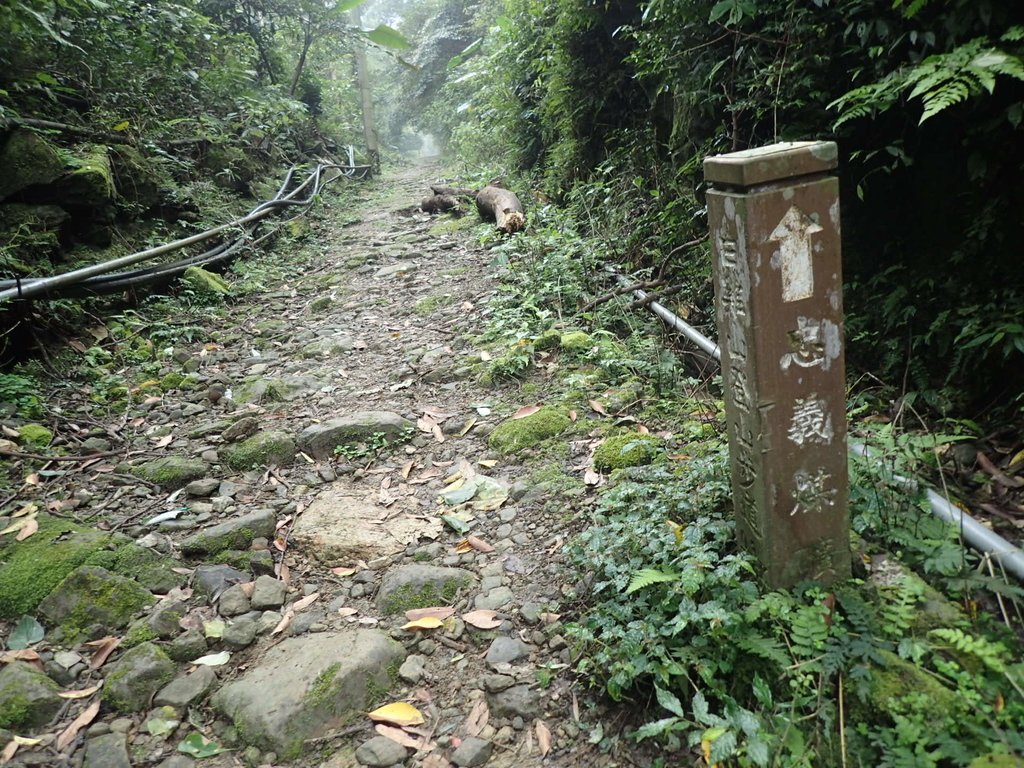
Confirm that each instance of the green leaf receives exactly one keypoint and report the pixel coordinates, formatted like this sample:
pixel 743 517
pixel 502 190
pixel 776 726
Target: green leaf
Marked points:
pixel 468 51
pixel 387 37
pixel 669 701
pixel 647 576
pixel 347 5
pixel 25 633
pixel 195 745
pixel 456 524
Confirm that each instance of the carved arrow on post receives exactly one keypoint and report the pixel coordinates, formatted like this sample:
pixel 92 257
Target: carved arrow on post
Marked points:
pixel 793 234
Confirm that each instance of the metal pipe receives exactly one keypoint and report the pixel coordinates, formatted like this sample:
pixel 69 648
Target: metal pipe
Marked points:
pixel 977 536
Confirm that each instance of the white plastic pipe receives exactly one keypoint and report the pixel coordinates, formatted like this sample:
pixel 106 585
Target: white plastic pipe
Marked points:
pixel 977 536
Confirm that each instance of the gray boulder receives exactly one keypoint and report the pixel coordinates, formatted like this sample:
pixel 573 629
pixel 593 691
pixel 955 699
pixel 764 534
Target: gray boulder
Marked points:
pixel 320 440
pixel 28 698
pixel 136 676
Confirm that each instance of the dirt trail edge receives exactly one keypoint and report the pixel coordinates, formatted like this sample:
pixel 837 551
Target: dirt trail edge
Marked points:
pixel 333 470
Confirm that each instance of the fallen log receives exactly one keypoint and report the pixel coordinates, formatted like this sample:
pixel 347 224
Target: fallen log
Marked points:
pixel 438 189
pixel 501 206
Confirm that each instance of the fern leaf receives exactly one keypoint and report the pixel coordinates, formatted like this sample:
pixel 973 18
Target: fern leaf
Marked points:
pixel 987 652
pixel 648 576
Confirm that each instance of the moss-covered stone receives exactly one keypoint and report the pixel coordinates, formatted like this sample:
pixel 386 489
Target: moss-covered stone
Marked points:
pixel 93 597
pixel 136 676
pixel 33 236
pixel 514 435
pixel 91 183
pixel 150 569
pixel 263 449
pixel 28 160
pixel 631 449
pixel 171 472
pixel 30 569
pixel 321 304
pixel 138 178
pixel 171 381
pixel 206 283
pixel 550 339
pixel 139 632
pixel 28 698
pixel 575 341
pixel 34 435
pixel 898 685
pixel 996 761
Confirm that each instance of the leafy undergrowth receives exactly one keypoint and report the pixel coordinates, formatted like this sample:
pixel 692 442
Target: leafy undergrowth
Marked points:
pixel 900 666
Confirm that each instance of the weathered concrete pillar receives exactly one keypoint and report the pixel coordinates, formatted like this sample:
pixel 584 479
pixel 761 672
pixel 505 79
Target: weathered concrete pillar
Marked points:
pixel 774 219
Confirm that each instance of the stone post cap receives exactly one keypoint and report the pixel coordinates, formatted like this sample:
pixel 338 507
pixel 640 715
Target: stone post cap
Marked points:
pixel 776 162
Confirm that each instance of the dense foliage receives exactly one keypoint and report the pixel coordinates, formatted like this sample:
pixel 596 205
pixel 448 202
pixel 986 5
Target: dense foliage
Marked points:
pixel 614 105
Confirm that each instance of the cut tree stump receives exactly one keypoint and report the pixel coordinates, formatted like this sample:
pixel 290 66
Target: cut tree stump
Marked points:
pixel 502 206
pixel 441 203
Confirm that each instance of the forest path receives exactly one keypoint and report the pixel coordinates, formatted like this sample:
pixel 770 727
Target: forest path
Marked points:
pixel 355 380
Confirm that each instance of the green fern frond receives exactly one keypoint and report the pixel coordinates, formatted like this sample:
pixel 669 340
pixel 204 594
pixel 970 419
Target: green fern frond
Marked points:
pixel 648 576
pixel 989 653
pixel 1013 35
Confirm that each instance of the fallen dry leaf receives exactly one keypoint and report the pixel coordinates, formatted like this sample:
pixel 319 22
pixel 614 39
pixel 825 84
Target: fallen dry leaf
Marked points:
pixel 479 544
pixel 25 654
pixel 482 618
pixel 478 717
pixel 104 647
pixel 284 623
pixel 597 407
pixel 12 748
pixel 67 736
pixel 82 694
pixel 347 611
pixel 398 713
pixel 406 469
pixel 575 708
pixel 590 477
pixel 550 618
pixel 441 612
pixel 425 623
pixel 304 603
pixel 543 737
pixel 163 442
pixel 343 571
pixel 573 416
pixel 526 410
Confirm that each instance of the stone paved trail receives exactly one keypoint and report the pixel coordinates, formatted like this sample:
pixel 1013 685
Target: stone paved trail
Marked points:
pixel 303 571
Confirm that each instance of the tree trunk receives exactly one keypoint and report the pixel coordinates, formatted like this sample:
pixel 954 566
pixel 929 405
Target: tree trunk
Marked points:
pixel 307 41
pixel 503 207
pixel 366 98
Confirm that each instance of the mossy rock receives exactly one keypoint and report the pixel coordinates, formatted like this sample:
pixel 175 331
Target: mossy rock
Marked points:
pixel 575 341
pixel 34 435
pixel 138 178
pixel 150 569
pixel 33 236
pixel 631 449
pixel 550 339
pixel 91 183
pixel 92 596
pixel 136 676
pixel 996 761
pixel 28 698
pixel 171 472
pixel 31 568
pixel 206 283
pixel 28 160
pixel 899 685
pixel 264 449
pixel 171 381
pixel 514 435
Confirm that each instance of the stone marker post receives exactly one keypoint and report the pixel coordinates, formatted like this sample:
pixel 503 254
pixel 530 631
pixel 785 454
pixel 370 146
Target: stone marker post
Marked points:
pixel 774 219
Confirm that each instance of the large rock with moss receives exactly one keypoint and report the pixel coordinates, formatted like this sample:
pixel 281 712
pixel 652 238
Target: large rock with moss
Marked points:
pixel 305 686
pixel 321 440
pixel 895 679
pixel 138 179
pixel 171 472
pixel 31 569
pixel 421 586
pixel 28 698
pixel 631 449
pixel 150 569
pixel 33 236
pixel 514 435
pixel 575 341
pixel 261 390
pixel 27 160
pixel 263 449
pixel 92 600
pixel 135 678
pixel 91 183
pixel 237 533
pixel 34 435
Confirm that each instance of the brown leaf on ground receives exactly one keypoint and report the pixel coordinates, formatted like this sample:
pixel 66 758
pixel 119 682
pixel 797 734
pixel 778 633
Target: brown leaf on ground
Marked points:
pixel 526 410
pixel 85 693
pixel 406 739
pixel 597 407
pixel 31 526
pixel 549 618
pixel 440 612
pixel 12 748
pixel 26 654
pixel 304 603
pixel 67 736
pixel 343 571
pixel 479 545
pixel 543 737
pixel 397 713
pixel 478 717
pixel 103 648
pixel 482 618
pixel 424 623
